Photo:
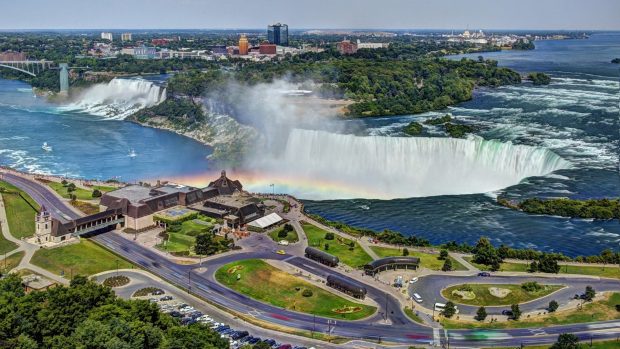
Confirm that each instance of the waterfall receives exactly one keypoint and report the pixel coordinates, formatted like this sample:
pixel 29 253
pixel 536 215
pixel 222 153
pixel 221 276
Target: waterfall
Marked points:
pixel 396 167
pixel 118 98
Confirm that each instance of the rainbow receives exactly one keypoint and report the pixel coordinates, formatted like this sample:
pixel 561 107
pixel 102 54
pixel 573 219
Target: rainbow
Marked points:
pixel 298 186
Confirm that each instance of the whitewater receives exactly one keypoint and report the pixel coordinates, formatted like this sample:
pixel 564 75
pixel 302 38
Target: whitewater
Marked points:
pixel 117 99
pixel 398 167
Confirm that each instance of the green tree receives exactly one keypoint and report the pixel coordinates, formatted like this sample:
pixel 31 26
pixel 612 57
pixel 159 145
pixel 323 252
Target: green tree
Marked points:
pixel 481 314
pixel 326 247
pixel 566 341
pixel 553 306
pixel 206 245
pixel 516 311
pixel 486 254
pixel 261 345
pixel 443 254
pixel 405 251
pixel 589 294
pixel 449 310
pixel 447 265
pixel 96 193
pixel 282 234
pixel 547 263
pixel 329 236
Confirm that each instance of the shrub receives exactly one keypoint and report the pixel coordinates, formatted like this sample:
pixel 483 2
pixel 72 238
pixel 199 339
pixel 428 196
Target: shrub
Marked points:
pixel 553 306
pixel 306 293
pixel 96 193
pixel 405 251
pixel 326 247
pixel 447 265
pixel 481 314
pixel 329 236
pixel 116 281
pixel 531 286
pixel 443 254
pixel 282 233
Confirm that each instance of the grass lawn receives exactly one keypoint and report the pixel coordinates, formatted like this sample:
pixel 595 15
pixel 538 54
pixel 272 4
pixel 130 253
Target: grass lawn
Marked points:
pixel 85 207
pixel 6 245
pixel 506 266
pixel 80 193
pixel 11 261
pixel 185 238
pixel 338 247
pixel 610 271
pixel 413 316
pixel 266 283
pixel 483 296
pixel 600 310
pixel 19 210
pixel 427 260
pixel 291 236
pixel 612 344
pixel 84 258
pixel 103 188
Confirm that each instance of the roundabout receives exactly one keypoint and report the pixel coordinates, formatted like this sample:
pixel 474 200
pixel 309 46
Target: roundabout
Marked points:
pixel 497 294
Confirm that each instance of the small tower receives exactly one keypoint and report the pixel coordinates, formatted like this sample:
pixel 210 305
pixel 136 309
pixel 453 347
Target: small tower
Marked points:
pixel 43 226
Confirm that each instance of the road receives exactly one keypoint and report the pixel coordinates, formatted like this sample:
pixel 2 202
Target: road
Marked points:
pixel 42 196
pixel 398 328
pixel 429 288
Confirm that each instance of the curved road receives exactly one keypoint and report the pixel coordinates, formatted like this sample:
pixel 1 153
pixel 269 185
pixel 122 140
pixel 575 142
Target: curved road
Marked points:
pixel 429 288
pixel 399 329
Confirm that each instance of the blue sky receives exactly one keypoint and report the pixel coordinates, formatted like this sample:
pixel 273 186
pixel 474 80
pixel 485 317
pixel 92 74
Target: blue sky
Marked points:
pixel 391 14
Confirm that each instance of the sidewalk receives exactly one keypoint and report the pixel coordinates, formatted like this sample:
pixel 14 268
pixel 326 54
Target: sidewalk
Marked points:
pixel 28 248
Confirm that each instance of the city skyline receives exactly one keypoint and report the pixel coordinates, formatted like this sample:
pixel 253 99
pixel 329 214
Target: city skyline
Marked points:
pixel 319 14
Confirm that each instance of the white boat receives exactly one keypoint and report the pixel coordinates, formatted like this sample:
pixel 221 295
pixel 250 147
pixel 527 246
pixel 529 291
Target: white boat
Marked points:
pixel 132 153
pixel 46 147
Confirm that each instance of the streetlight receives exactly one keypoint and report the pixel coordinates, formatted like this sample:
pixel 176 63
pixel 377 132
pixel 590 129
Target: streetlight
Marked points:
pixel 117 268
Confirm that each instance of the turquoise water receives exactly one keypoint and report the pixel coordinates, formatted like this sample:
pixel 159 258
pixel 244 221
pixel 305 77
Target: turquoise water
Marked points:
pixel 87 146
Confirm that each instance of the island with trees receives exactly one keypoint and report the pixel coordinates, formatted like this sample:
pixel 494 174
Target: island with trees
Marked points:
pixel 589 209
pixel 539 78
pixel 615 61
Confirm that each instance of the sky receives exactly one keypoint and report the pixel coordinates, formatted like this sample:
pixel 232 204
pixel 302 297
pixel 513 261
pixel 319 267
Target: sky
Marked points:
pixel 306 14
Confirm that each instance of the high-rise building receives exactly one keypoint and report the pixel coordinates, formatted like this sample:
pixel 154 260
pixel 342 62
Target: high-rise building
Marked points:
pixel 277 34
pixel 126 37
pixel 106 36
pixel 243 45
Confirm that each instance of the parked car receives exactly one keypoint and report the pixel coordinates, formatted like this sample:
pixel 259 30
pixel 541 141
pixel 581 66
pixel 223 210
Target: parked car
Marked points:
pixel 413 280
pixel 285 346
pixel 507 312
pixel 166 298
pixel 239 335
pixel 157 293
pixel 484 274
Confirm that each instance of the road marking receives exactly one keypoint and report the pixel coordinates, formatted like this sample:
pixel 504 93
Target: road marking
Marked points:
pixel 436 337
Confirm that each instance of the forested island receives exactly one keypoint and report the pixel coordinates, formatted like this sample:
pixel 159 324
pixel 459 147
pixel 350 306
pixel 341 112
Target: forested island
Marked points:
pixel 452 129
pixel 589 209
pixel 615 61
pixel 539 78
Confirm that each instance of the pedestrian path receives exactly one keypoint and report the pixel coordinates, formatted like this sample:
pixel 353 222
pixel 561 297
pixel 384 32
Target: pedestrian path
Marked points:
pixel 25 246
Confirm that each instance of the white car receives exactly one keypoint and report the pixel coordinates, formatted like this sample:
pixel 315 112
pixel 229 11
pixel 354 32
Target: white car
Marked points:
pixel 417 298
pixel 413 280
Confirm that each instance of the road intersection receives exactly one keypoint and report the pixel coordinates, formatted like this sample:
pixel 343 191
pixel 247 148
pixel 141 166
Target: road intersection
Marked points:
pixel 389 324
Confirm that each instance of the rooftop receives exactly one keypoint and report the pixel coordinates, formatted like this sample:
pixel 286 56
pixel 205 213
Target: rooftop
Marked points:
pixel 137 193
pixel 236 201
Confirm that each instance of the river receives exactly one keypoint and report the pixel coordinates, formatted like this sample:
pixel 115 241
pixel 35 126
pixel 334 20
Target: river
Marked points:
pixel 559 140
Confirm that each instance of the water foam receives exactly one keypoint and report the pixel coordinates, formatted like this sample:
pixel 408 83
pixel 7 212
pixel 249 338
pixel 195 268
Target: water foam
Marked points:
pixel 397 167
pixel 118 98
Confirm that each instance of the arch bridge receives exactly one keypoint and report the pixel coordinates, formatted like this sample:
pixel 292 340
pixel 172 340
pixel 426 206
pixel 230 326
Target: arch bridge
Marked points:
pixel 32 68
